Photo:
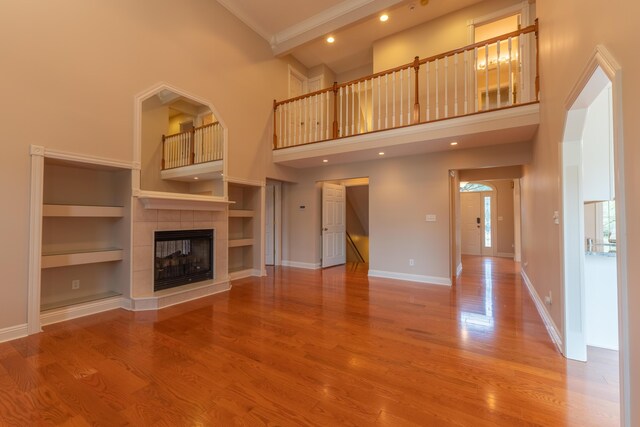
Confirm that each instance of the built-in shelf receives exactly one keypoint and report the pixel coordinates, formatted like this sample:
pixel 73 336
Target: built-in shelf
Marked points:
pixel 82 211
pixel 241 213
pixel 68 258
pixel 236 243
pixel 78 300
pixel 245 230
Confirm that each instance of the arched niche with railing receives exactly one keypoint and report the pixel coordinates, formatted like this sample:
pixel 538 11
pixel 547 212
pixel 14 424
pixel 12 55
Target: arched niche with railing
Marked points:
pixel 180 143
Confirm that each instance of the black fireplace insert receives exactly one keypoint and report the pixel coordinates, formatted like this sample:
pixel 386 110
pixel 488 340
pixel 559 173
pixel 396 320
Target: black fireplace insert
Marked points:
pixel 182 257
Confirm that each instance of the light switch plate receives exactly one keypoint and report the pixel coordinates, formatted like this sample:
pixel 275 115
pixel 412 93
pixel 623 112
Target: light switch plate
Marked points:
pixel 430 218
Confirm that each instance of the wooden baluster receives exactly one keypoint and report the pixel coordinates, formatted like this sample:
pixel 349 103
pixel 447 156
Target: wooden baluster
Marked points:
pixel 359 128
pixel 386 101
pixel 401 97
pixel 446 86
pixel 164 149
pixel 475 78
pixel 486 76
pixel 275 133
pixel 437 92
pixel 509 47
pixel 409 108
pixel 498 65
pixel 342 118
pixel 192 143
pixel 416 104
pixel 466 79
pixel 393 120
pixel 455 85
pixel 366 107
pixel 353 109
pixel 326 122
pixel 379 102
pixel 428 117
pixel 334 126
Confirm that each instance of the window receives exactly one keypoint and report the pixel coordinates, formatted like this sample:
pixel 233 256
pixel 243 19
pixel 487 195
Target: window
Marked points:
pixel 487 221
pixel 472 187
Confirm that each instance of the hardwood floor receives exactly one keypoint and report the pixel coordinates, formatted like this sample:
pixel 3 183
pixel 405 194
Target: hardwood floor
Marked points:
pixel 330 348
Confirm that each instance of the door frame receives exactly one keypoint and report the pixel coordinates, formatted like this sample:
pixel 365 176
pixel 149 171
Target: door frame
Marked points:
pixel 603 60
pixel 277 220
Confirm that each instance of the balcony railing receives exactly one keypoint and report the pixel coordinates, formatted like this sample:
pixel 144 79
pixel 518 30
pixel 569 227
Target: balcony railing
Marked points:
pixel 498 73
pixel 199 145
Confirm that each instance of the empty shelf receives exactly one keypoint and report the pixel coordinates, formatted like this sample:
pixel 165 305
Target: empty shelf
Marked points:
pixel 241 213
pixel 240 242
pixel 64 259
pixel 78 300
pixel 82 211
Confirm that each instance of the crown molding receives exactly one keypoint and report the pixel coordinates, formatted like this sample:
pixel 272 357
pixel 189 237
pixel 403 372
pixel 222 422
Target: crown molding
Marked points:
pixel 232 7
pixel 331 19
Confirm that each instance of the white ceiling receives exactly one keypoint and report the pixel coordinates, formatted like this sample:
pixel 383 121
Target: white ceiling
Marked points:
pixel 299 27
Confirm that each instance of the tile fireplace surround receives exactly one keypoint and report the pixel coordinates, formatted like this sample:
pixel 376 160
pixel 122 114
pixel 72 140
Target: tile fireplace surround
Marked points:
pixel 146 221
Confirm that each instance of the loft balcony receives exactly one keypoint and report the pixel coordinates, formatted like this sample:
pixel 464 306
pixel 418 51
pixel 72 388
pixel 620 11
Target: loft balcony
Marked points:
pixel 194 153
pixel 478 95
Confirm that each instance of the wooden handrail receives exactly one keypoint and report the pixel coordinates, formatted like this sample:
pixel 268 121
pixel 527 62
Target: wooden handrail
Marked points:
pixel 530 29
pixel 192 130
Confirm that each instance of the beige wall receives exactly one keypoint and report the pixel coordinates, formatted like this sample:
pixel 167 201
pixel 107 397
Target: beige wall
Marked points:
pixel 569 33
pixel 401 192
pixel 84 63
pixel 440 35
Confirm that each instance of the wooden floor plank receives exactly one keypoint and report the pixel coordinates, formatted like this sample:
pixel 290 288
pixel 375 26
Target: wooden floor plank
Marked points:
pixel 324 347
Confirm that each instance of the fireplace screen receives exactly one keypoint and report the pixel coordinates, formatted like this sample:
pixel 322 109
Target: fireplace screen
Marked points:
pixel 182 257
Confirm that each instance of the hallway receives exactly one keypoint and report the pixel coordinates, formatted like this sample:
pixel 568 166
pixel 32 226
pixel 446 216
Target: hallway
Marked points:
pixel 314 347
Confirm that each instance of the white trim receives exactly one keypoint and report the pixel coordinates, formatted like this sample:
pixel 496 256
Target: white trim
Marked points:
pixel 522 8
pixel 552 329
pixel 35 238
pixel 81 310
pixel 163 299
pixel 180 201
pixel 84 158
pixel 232 6
pixel 300 76
pixel 305 265
pixel 603 59
pixel 420 136
pixel 245 181
pixel 330 19
pixel 432 280
pixel 14 332
pixel 505 255
pixel 137 127
pixel 459 270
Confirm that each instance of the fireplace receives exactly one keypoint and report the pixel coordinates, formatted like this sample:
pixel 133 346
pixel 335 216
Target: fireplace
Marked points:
pixel 182 257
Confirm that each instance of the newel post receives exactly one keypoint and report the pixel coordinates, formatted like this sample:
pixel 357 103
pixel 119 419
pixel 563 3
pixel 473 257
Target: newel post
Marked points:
pixel 163 150
pixel 537 62
pixel 335 110
pixel 275 134
pixel 416 105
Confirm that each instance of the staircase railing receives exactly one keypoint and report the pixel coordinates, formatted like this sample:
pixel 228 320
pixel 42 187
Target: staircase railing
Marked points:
pixel 498 73
pixel 199 145
pixel 353 246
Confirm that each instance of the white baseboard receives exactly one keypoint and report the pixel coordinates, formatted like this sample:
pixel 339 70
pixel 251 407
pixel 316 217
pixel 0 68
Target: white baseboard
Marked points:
pixel 459 269
pixel 305 265
pixel 553 330
pixel 167 299
pixel 443 281
pixel 13 332
pixel 80 310
pixel 505 255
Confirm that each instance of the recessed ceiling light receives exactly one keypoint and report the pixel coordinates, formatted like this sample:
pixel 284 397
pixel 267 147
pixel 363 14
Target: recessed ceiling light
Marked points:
pixel 195 177
pixel 381 153
pixel 331 39
pixel 325 161
pixel 384 18
pixel 453 143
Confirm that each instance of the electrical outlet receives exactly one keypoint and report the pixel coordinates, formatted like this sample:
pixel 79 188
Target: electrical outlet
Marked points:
pixel 412 262
pixel 75 284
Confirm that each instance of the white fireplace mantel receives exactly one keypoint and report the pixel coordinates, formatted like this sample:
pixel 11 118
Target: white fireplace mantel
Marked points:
pixel 178 201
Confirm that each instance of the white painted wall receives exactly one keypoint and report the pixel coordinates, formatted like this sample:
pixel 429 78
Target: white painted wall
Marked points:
pixel 570 30
pixel 601 295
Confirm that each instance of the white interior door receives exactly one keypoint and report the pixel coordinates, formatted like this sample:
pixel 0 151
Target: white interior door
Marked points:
pixel 269 241
pixel 333 224
pixel 470 226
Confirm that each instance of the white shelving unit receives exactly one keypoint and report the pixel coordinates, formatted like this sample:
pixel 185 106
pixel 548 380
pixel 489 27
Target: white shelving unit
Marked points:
pixel 86 235
pixel 244 230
